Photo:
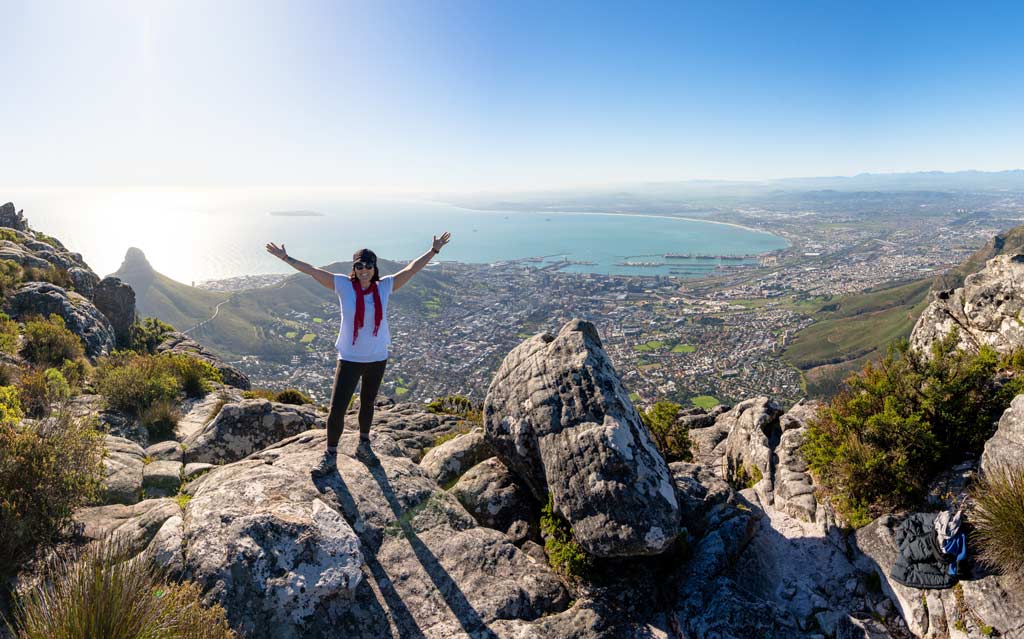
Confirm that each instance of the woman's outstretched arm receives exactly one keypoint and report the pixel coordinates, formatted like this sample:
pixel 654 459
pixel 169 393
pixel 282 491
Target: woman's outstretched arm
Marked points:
pixel 325 278
pixel 403 276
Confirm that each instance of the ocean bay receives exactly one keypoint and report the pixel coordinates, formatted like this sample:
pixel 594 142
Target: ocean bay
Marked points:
pixel 193 235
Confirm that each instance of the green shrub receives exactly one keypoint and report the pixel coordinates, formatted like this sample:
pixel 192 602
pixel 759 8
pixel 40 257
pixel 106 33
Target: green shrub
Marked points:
pixel 131 382
pixel 52 274
pixel 105 592
pixel 457 405
pixel 46 239
pixel 160 419
pixel 8 375
pixel 999 519
pixel 8 335
pixel 39 389
pixel 293 396
pixel 10 406
pixel 260 393
pixel 878 442
pixel 10 236
pixel 49 343
pixel 148 334
pixel 565 555
pixel 10 276
pixel 47 470
pixel 194 374
pixel 76 373
pixel 670 436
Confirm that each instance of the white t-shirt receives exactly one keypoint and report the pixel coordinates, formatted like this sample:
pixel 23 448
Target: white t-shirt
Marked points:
pixel 368 348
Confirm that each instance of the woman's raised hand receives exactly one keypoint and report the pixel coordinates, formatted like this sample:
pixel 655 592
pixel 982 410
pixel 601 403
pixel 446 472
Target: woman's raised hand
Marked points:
pixel 441 241
pixel 276 251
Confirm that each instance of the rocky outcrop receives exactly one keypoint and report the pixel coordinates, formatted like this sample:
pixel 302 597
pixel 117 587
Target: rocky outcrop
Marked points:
pixel 753 433
pixel 175 342
pixel 377 550
pixel 137 524
pixel 123 464
pixel 245 427
pixel 447 462
pixel 985 311
pixel 497 500
pixel 116 300
pixel 12 218
pixel 1006 447
pixel 558 417
pixel 413 430
pixel 792 483
pixel 80 316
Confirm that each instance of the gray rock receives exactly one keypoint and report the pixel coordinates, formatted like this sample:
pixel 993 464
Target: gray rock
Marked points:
pixel 1006 447
pixel 84 280
pixel 12 218
pixel 445 463
pixel 376 550
pixel 165 451
pixel 137 524
pixel 175 342
pixel 116 300
pixel 80 316
pixel 162 478
pixel 705 499
pixel 985 311
pixel 166 546
pixel 123 466
pixel 245 427
pixel 753 433
pixel 793 485
pixel 496 499
pixel 200 411
pixel 558 417
pixel 196 469
pixel 412 429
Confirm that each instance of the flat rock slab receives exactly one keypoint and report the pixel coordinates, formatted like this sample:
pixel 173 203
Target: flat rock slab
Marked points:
pixel 559 418
pixel 162 477
pixel 245 427
pixel 166 451
pixel 377 550
pixel 137 523
pixel 196 469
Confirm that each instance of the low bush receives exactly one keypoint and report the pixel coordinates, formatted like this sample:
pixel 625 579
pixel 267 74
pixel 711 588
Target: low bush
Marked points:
pixel 10 276
pixel 9 235
pixel 999 519
pixel 39 389
pixel 131 382
pixel 195 375
pixel 49 343
pixel 878 442
pixel 293 396
pixel 9 334
pixel 260 393
pixel 52 274
pixel 670 436
pixel 457 405
pixel 148 334
pixel 160 419
pixel 106 592
pixel 47 470
pixel 565 555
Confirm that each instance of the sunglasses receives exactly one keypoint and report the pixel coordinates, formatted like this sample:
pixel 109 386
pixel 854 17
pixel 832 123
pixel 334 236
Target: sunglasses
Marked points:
pixel 363 265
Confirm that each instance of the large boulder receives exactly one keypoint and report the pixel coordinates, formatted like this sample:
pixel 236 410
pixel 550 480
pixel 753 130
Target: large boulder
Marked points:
pixel 753 433
pixel 985 311
pixel 116 300
pixel 376 550
pixel 245 427
pixel 80 316
pixel 175 342
pixel 559 418
pixel 1006 447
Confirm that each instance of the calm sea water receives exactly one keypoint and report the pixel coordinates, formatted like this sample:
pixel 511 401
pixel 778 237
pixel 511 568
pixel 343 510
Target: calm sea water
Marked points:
pixel 193 235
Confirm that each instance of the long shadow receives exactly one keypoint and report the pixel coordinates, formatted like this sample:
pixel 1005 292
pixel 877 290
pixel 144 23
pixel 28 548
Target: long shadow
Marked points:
pixel 405 623
pixel 468 617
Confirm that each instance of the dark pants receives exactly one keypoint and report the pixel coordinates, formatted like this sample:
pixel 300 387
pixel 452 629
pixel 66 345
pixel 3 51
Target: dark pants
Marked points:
pixel 345 379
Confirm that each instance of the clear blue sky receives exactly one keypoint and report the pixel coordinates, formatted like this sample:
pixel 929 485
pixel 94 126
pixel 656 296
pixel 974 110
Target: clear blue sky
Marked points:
pixel 442 95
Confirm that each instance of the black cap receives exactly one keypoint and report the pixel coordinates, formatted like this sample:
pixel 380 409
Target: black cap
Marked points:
pixel 365 256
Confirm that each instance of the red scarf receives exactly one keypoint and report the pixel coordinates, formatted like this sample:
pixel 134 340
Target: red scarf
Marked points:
pixel 378 311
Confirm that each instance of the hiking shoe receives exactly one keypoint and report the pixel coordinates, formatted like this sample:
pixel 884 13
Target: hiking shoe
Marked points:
pixel 328 464
pixel 365 454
